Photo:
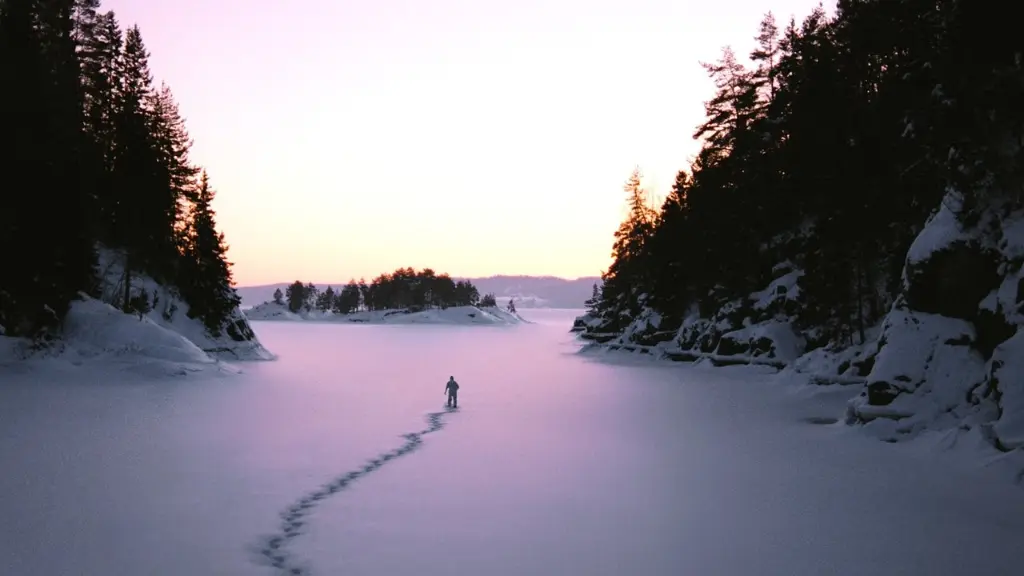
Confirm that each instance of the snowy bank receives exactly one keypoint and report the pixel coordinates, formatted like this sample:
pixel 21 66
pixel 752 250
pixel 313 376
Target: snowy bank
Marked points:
pixel 162 341
pixel 457 315
pixel 753 330
pixel 99 335
pixel 235 340
pixel 947 360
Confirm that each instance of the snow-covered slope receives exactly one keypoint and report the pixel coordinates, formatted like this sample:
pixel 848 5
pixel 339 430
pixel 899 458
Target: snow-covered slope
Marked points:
pixel 464 315
pixel 236 340
pixel 99 335
pixel 164 340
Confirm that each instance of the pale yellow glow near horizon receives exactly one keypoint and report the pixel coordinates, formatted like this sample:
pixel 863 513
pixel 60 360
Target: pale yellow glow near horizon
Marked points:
pixel 349 138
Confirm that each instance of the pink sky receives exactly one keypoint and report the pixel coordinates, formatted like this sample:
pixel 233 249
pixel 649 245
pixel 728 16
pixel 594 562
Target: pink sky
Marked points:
pixel 347 138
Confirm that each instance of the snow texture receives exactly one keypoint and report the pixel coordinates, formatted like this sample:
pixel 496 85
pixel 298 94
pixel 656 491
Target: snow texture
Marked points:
pixel 1006 383
pixel 459 315
pixel 592 464
pixel 941 231
pixel 784 288
pixel 585 321
pixel 99 336
pixel 925 371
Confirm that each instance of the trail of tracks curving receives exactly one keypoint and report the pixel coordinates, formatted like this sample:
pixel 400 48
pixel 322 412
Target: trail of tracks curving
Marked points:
pixel 273 550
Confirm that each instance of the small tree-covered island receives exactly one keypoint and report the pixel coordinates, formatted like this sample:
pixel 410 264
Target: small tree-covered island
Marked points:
pixel 854 217
pixel 405 296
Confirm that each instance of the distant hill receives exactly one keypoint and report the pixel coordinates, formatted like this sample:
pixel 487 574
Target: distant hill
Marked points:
pixel 528 291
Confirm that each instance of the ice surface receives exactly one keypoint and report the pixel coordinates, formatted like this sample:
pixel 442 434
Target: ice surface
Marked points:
pixel 555 463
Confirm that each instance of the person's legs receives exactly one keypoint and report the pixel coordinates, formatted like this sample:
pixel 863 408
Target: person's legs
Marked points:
pixel 455 399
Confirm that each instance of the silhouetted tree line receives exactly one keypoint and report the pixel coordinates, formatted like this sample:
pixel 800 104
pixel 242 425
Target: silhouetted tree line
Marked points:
pixel 829 151
pixel 95 154
pixel 404 288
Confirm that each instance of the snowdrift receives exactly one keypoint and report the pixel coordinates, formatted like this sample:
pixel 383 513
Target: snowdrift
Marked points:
pixel 457 315
pixel 162 341
pixel 236 340
pixel 99 335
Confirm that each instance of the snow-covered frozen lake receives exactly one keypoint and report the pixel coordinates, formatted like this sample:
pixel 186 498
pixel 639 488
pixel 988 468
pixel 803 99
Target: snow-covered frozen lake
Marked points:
pixel 555 463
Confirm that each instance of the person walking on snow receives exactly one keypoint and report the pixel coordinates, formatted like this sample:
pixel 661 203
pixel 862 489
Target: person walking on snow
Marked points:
pixel 452 390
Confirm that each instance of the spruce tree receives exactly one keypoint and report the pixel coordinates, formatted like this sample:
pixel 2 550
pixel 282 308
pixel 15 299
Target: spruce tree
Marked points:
pixel 46 242
pixel 173 187
pixel 296 296
pixel 312 294
pixel 325 300
pixel 207 278
pixel 134 176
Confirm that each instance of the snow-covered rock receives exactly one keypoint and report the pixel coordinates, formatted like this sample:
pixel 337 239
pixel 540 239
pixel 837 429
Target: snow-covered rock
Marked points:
pixel 584 322
pixel 951 354
pixel 757 329
pixel 460 315
pixel 925 370
pixel 770 339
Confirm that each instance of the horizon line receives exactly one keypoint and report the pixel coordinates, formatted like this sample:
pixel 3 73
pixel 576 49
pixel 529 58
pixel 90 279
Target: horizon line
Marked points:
pixel 539 277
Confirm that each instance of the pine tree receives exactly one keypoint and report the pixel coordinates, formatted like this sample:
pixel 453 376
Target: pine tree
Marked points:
pixel 278 297
pixel 827 156
pixel 207 278
pixel 46 243
pixel 96 155
pixel 296 296
pixel 134 176
pixel 325 300
pixel 364 294
pixel 347 300
pixel 766 56
pixel 174 184
pixel 629 274
pixel 312 293
pixel 98 39
pixel 592 303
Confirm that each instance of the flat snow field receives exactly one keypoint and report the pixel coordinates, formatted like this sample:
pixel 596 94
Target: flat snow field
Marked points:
pixel 555 463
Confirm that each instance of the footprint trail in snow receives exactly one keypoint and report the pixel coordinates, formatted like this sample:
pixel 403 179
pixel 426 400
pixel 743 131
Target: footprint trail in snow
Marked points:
pixel 274 549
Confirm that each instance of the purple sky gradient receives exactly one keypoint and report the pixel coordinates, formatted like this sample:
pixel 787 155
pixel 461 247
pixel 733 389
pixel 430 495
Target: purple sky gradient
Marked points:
pixel 348 138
